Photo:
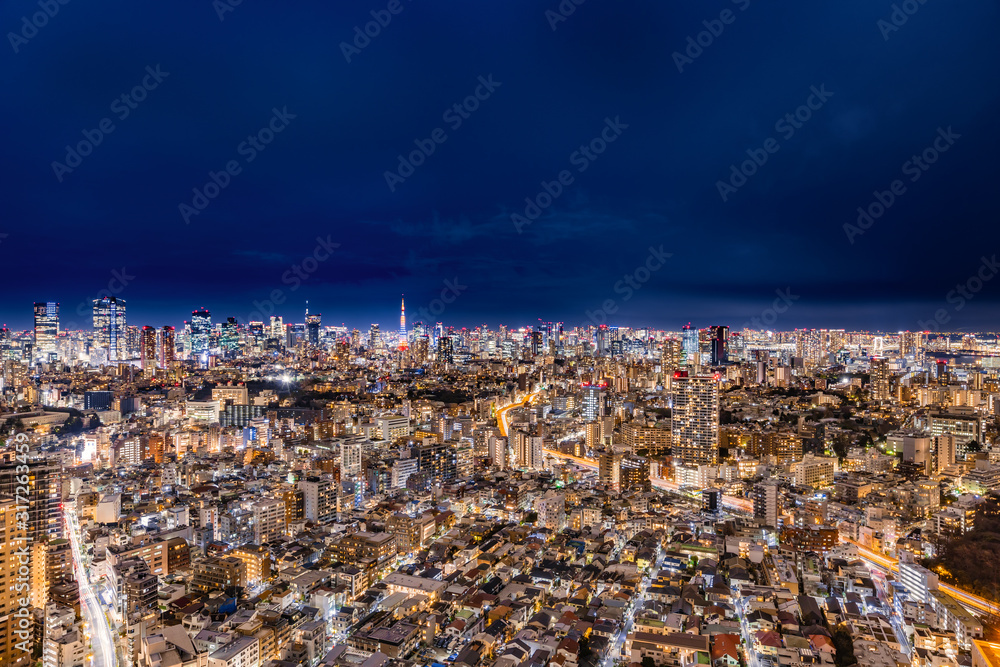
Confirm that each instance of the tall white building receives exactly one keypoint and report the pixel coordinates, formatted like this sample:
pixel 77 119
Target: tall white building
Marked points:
pixel 918 580
pixel 694 421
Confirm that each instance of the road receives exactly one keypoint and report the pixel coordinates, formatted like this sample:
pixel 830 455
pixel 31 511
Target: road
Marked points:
pixel 101 636
pixel 502 412
pixel 881 586
pixel 974 602
pixel 616 647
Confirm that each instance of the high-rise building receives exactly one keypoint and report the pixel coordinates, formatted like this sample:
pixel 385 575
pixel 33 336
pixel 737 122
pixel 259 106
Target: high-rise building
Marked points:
pixel 445 350
pixel 594 402
pixel 201 330
pixel 403 344
pixel 672 356
pixel 110 327
pixel 13 538
pixel 147 349
pixel 44 485
pixel 719 336
pixel 313 324
pixel 375 337
pixel 229 340
pixel 46 329
pixel 880 379
pixel 695 418
pixel 689 339
pixel 168 344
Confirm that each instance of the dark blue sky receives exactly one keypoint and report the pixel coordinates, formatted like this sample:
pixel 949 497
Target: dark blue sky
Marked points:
pixel 655 185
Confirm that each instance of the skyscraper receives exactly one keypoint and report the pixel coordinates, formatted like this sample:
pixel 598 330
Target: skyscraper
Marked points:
pixel 313 324
pixel 110 327
pixel 689 336
pixel 229 341
pixel 46 329
pixel 147 348
pixel 201 329
pixel 720 344
pixel 167 347
pixel 695 418
pixel 403 345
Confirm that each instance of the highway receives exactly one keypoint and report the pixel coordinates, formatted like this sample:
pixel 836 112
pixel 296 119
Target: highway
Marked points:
pixel 101 637
pixel 502 412
pixel 973 602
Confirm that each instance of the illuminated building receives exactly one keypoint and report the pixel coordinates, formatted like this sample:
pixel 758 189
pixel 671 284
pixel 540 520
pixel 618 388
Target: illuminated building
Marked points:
pixel 695 418
pixel 201 329
pixel 445 350
pixel 880 376
pixel 689 339
pixel 46 329
pixel 147 349
pixel 634 473
pixel 402 324
pixel 672 356
pixel 313 323
pixel 594 402
pixel 610 469
pixel 13 538
pixel 167 347
pixel 374 337
pixel 229 341
pixel 110 326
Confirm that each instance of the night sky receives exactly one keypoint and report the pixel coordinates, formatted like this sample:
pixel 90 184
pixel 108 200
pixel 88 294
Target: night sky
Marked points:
pixel 880 94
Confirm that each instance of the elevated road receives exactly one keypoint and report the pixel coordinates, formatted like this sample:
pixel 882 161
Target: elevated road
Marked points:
pixel 969 600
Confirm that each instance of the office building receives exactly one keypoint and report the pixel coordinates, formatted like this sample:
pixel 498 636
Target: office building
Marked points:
pixel 110 326
pixel 147 349
pixel 168 343
pixel 201 331
pixel 46 330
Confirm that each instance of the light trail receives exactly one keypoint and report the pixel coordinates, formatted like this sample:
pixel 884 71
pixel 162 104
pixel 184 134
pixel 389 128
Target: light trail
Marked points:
pixel 970 600
pixel 100 632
